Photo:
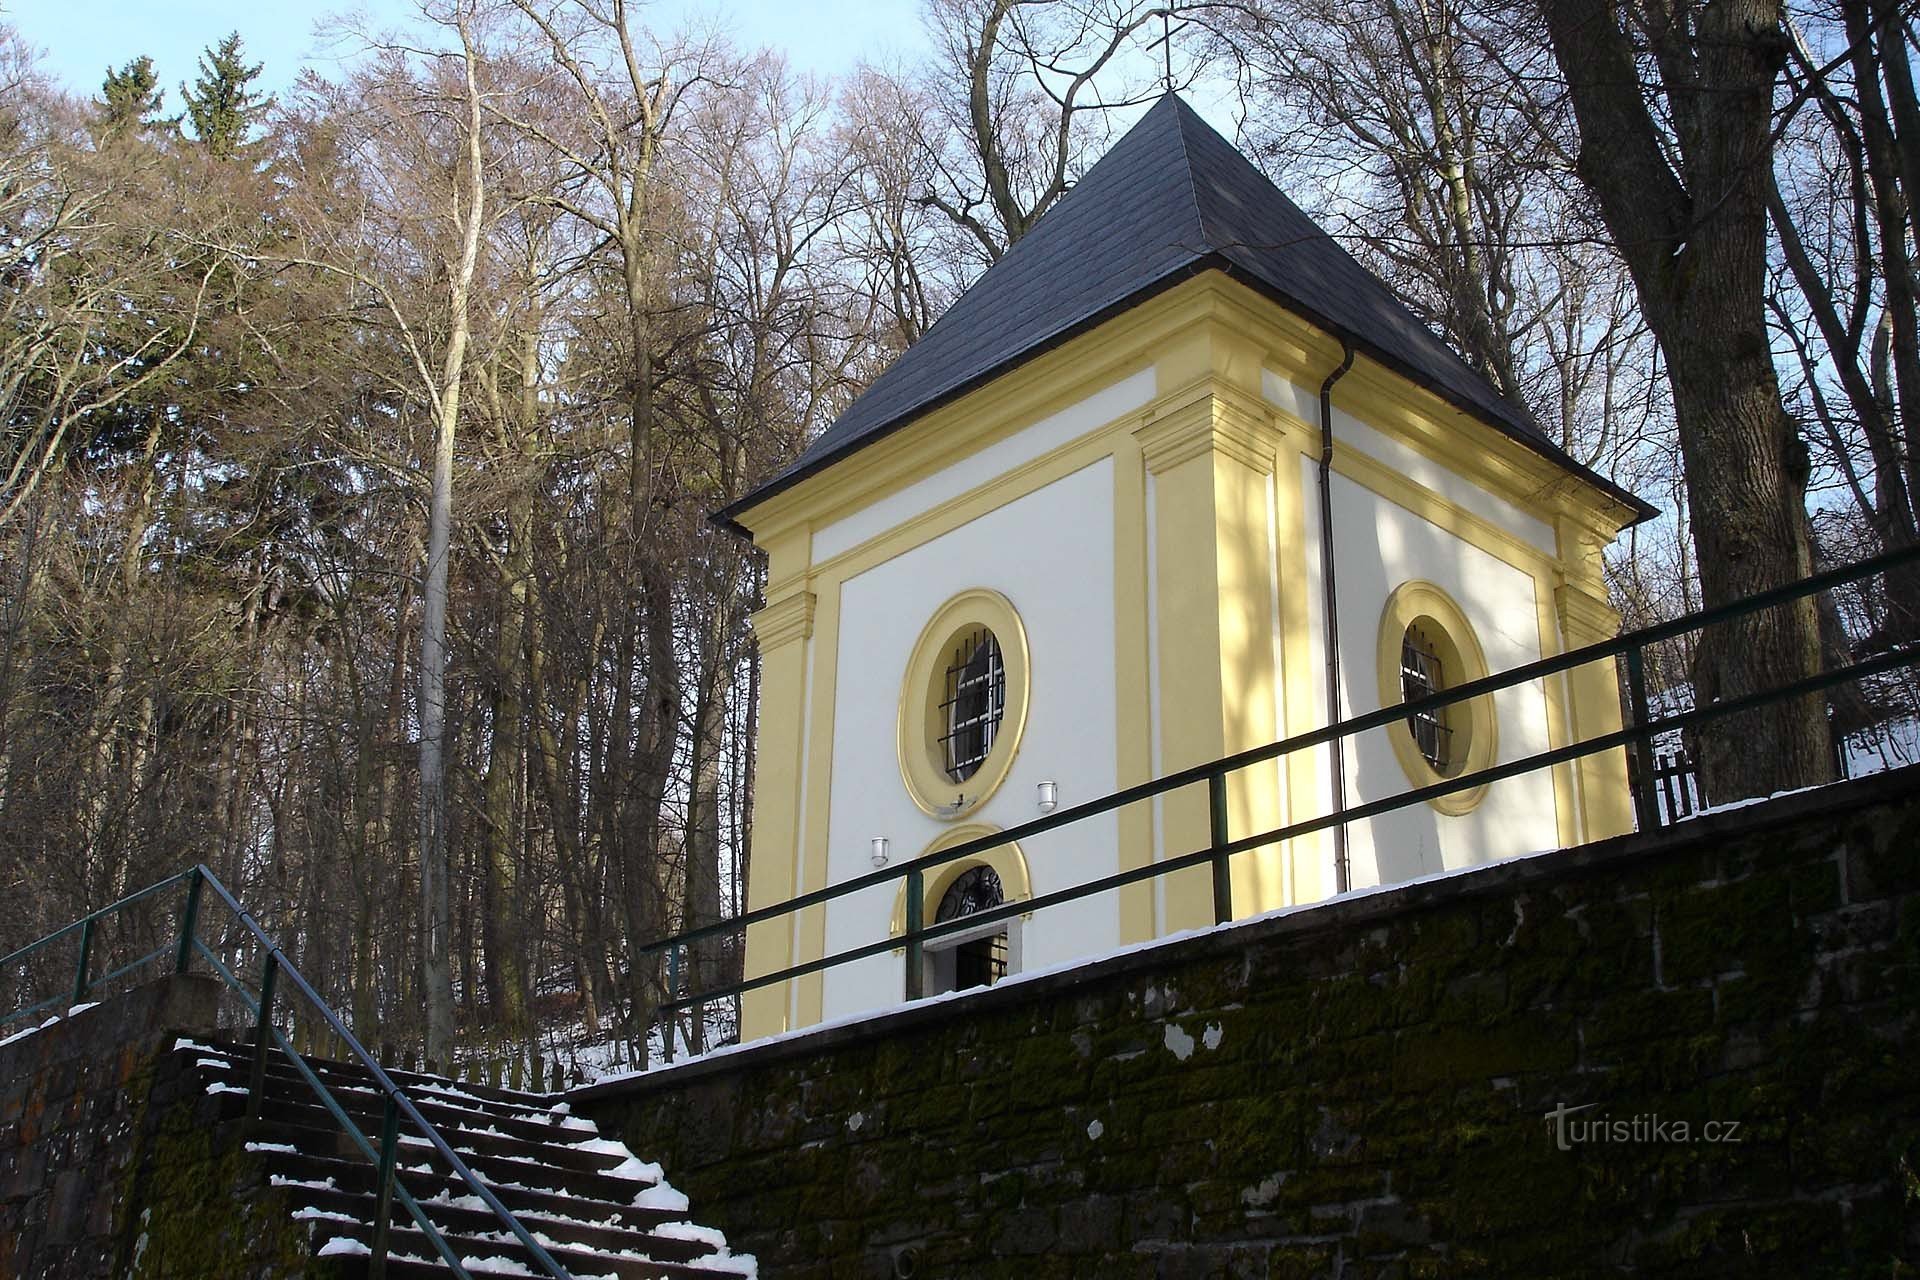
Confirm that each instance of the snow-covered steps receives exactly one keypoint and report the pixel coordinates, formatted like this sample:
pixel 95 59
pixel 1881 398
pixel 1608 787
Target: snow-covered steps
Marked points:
pixel 592 1204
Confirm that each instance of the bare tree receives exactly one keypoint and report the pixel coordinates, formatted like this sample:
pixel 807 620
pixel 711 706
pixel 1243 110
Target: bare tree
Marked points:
pixel 625 104
pixel 425 152
pixel 1022 90
pixel 1842 295
pixel 908 271
pixel 1684 196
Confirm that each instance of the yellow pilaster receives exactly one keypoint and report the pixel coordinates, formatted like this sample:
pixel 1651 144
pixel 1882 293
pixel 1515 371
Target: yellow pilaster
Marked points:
pixel 1133 750
pixel 1302 666
pixel 810 924
pixel 1210 452
pixel 1568 818
pixel 782 629
pixel 1593 690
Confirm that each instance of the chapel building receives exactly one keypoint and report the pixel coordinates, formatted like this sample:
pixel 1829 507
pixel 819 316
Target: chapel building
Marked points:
pixel 1074 539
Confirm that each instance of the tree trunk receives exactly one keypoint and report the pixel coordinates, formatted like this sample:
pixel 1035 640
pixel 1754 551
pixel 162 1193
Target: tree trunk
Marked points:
pixel 651 765
pixel 1891 214
pixel 563 807
pixel 1695 242
pixel 500 926
pixel 703 804
pixel 504 927
pixel 435 863
pixel 1746 488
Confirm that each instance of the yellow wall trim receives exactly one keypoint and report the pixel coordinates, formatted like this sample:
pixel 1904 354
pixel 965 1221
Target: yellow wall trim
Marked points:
pixel 1208 418
pixel 1594 704
pixel 1592 616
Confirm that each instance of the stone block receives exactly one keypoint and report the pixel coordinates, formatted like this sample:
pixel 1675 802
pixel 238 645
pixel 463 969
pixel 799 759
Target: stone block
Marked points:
pixel 67 1208
pixel 1090 1225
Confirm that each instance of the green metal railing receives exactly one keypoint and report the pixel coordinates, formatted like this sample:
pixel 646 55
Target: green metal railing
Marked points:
pixel 277 973
pixel 1638 736
pixel 86 927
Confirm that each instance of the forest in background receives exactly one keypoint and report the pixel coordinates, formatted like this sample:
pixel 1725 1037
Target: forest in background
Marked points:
pixel 358 446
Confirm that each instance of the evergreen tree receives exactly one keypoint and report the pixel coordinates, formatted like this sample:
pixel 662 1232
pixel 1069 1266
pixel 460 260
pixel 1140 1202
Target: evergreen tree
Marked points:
pixel 221 107
pixel 129 100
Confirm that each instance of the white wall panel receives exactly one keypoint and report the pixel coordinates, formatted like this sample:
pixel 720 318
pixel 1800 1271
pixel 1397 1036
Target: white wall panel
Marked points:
pixel 1051 554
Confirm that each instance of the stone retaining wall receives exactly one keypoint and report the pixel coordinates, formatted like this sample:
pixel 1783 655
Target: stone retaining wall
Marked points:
pixel 112 1163
pixel 1506 1072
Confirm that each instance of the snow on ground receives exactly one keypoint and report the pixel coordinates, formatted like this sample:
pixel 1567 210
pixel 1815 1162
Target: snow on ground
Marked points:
pixel 1887 746
pixel 634 1169
pixel 324 1184
pixel 497 1266
pixel 312 1214
pixel 22 1035
pixel 661 1195
pixel 54 1020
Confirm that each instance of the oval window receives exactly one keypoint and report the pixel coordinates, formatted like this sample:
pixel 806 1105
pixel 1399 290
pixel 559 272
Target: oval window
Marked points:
pixel 1427 646
pixel 963 703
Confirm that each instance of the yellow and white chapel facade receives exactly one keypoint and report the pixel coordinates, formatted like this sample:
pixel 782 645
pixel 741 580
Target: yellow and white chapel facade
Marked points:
pixel 1074 540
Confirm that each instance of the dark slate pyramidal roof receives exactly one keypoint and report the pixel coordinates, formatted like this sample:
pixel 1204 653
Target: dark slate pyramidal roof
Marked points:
pixel 1171 199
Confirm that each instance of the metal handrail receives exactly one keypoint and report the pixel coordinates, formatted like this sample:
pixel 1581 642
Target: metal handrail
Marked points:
pixel 1638 735
pixel 276 967
pixel 84 924
pixel 277 964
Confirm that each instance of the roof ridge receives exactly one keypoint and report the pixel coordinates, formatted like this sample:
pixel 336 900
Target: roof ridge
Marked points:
pixel 1315 232
pixel 1180 112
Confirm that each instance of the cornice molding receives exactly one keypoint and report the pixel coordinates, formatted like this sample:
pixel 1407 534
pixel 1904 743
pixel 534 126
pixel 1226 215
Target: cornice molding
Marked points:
pixel 1585 617
pixel 785 620
pixel 1209 417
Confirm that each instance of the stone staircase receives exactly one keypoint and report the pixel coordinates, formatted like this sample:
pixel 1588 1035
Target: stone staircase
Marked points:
pixel 591 1203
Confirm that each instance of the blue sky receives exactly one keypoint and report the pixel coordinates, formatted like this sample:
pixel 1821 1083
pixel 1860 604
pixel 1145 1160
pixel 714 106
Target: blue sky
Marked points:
pixel 79 39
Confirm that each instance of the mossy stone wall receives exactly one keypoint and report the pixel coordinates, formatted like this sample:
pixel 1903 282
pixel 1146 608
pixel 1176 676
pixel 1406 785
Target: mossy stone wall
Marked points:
pixel 113 1161
pixel 1367 1087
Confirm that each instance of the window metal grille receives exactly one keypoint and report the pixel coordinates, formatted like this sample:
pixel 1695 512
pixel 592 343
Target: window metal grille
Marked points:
pixel 977 889
pixel 1421 676
pixel 976 697
pixel 979 962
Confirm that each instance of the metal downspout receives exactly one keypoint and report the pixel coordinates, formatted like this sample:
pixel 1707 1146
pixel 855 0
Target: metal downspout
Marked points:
pixel 1330 610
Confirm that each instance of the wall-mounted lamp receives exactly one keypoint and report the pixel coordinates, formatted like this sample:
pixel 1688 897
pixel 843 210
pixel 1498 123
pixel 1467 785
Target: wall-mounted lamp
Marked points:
pixel 1047 796
pixel 879 851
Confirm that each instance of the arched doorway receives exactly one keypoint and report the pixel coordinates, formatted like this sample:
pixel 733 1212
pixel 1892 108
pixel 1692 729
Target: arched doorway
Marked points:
pixel 988 952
